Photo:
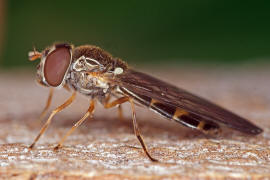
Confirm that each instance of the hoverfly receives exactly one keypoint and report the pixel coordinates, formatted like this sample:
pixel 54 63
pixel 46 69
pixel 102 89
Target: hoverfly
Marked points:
pixel 93 72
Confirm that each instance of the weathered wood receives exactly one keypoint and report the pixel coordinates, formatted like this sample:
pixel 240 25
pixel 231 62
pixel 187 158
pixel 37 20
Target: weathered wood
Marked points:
pixel 107 148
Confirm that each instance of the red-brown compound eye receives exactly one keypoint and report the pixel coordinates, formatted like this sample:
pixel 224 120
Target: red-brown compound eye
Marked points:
pixel 56 65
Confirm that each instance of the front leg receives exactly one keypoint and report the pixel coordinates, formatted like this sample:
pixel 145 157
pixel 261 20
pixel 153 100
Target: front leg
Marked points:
pixel 48 103
pixel 48 122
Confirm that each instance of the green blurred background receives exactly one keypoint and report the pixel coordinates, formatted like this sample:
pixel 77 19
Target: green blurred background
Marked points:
pixel 149 32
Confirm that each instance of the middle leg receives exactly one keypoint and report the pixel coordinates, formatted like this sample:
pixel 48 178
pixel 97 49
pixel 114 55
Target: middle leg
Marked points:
pixel 88 113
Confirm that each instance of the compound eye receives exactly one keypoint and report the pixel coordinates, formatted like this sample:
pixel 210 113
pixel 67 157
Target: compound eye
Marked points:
pixel 56 66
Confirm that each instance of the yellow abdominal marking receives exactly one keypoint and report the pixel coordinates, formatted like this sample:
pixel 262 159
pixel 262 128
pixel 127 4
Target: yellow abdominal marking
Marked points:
pixel 201 125
pixel 179 112
pixel 153 101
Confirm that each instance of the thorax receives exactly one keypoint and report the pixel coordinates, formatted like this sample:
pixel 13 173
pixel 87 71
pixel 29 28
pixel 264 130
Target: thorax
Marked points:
pixel 92 70
pixel 88 85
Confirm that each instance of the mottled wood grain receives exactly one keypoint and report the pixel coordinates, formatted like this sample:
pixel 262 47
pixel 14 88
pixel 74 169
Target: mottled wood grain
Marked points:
pixel 107 148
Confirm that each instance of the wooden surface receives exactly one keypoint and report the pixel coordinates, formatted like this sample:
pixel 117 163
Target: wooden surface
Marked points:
pixel 107 148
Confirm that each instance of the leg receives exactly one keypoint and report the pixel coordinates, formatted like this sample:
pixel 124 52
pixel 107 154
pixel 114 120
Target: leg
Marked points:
pixel 88 113
pixel 137 132
pixel 120 112
pixel 49 100
pixel 135 125
pixel 58 109
pixel 115 103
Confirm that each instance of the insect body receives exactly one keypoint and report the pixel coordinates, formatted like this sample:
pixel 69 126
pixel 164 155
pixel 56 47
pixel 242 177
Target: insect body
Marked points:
pixel 96 74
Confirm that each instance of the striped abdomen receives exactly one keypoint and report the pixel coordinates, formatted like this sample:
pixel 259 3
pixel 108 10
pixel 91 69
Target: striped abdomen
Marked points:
pixel 174 113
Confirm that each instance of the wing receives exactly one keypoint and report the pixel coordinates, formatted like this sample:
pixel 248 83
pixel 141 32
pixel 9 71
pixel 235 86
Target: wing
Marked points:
pixel 166 94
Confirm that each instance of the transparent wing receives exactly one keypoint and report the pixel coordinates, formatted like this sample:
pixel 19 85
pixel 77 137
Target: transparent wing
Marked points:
pixel 153 88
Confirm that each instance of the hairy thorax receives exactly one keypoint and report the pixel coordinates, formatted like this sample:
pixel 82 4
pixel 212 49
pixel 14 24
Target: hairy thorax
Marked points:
pixel 92 70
